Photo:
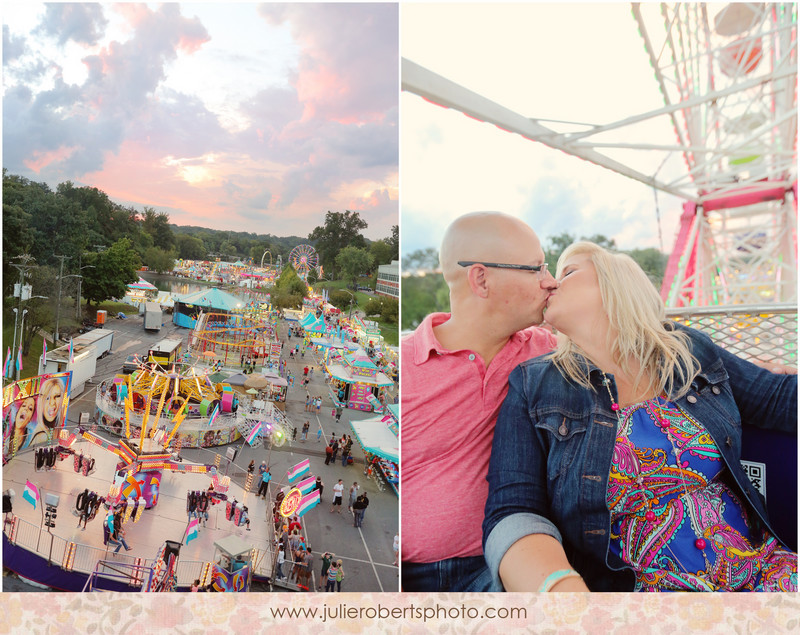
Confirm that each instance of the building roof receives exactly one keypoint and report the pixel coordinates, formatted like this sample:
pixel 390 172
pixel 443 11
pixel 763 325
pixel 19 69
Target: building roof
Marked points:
pixel 212 298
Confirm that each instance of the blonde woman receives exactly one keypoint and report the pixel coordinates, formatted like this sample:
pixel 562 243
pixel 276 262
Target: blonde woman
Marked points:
pixel 615 463
pixel 51 398
pixel 17 421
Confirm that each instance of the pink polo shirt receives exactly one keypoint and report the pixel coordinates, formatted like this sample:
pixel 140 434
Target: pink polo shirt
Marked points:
pixel 449 405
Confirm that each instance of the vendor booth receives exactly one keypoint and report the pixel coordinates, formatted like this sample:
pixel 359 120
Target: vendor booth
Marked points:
pixel 356 382
pixel 378 438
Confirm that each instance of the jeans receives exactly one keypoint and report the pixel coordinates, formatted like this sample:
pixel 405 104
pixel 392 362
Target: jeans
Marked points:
pixel 358 517
pixel 344 459
pixel 454 574
pixel 120 544
pixel 279 571
pixel 329 585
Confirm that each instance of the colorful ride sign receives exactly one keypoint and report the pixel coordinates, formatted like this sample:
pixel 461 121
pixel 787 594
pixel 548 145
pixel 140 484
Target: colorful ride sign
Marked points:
pixel 291 502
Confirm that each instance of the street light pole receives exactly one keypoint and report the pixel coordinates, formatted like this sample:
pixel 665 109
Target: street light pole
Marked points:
pixel 14 345
pixel 21 328
pixel 78 303
pixel 58 304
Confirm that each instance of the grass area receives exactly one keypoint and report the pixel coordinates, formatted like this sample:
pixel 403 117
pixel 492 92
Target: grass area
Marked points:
pixel 390 332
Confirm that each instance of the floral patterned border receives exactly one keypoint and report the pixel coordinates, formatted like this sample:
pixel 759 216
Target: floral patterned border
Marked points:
pixel 565 614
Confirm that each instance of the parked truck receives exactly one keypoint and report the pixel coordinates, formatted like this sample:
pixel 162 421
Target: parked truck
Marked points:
pixel 101 339
pixel 83 365
pixel 152 316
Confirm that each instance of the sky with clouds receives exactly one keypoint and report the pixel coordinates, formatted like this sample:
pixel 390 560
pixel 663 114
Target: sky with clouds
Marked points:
pixel 241 116
pixel 583 63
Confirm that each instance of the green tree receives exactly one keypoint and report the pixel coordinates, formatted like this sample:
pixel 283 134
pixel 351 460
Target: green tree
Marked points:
pixel 394 242
pixel 190 247
pixel 427 258
pixel 114 269
pixel 421 295
pixel 390 311
pixel 156 224
pixel 41 311
pixel 159 260
pixel 653 262
pixel 382 252
pixel 339 231
pixel 386 308
pixel 290 283
pixel 17 240
pixel 353 262
pixel 341 299
pixel 373 307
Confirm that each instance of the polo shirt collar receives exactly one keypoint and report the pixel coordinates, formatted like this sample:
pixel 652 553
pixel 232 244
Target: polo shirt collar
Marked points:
pixel 425 342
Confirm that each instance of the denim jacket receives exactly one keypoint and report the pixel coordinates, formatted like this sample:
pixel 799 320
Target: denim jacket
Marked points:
pixel 554 441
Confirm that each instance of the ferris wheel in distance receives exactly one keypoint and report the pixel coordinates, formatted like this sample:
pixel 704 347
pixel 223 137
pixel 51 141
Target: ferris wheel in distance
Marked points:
pixel 727 75
pixel 303 258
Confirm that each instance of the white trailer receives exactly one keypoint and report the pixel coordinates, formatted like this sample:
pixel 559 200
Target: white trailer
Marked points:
pixel 101 339
pixel 83 366
pixel 152 316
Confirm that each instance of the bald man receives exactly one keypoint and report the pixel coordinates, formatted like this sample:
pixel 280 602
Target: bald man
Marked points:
pixel 455 371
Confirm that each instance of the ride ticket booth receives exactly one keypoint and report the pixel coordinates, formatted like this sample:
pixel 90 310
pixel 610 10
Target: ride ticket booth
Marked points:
pixel 232 565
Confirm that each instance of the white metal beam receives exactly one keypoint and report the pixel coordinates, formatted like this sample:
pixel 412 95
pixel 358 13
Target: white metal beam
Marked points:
pixel 440 90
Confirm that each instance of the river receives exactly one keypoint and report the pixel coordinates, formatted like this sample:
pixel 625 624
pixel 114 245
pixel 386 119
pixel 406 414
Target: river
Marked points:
pixel 182 286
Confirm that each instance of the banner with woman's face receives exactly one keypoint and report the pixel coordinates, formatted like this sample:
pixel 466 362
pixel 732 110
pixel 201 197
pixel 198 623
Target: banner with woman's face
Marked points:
pixel 33 410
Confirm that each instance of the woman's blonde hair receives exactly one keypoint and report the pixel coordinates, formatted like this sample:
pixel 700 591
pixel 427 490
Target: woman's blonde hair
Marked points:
pixel 636 315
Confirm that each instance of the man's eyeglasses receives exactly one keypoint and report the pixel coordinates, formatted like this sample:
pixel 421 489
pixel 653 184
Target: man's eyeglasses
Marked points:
pixel 541 269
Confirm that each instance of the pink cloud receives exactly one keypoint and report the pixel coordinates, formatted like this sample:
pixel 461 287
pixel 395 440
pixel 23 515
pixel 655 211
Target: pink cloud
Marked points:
pixel 40 160
pixel 377 199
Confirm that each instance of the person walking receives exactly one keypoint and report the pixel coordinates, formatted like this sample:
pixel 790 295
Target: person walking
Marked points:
pixel 364 509
pixel 262 488
pixel 358 511
pixel 335 451
pixel 306 426
pixel 353 495
pixel 327 557
pixel 279 575
pixel 338 413
pixel 333 571
pixel 319 485
pixel 319 434
pixel 338 489
pixel 328 454
pixel 339 575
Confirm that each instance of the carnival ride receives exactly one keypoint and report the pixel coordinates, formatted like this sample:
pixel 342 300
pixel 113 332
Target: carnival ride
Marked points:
pixel 729 83
pixel 228 337
pixel 304 258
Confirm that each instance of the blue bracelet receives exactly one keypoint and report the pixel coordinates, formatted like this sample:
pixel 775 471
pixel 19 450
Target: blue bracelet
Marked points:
pixel 551 580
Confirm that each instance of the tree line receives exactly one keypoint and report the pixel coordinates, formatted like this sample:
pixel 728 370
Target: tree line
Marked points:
pixel 59 235
pixel 428 293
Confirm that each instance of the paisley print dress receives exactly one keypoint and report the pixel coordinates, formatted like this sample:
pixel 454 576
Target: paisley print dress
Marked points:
pixel 674 517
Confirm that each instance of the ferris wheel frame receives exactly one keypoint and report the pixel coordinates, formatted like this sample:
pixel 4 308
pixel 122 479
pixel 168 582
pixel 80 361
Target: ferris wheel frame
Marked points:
pixel 719 239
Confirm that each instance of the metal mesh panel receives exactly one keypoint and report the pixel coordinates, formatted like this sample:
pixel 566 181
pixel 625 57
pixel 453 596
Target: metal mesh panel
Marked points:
pixel 763 332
